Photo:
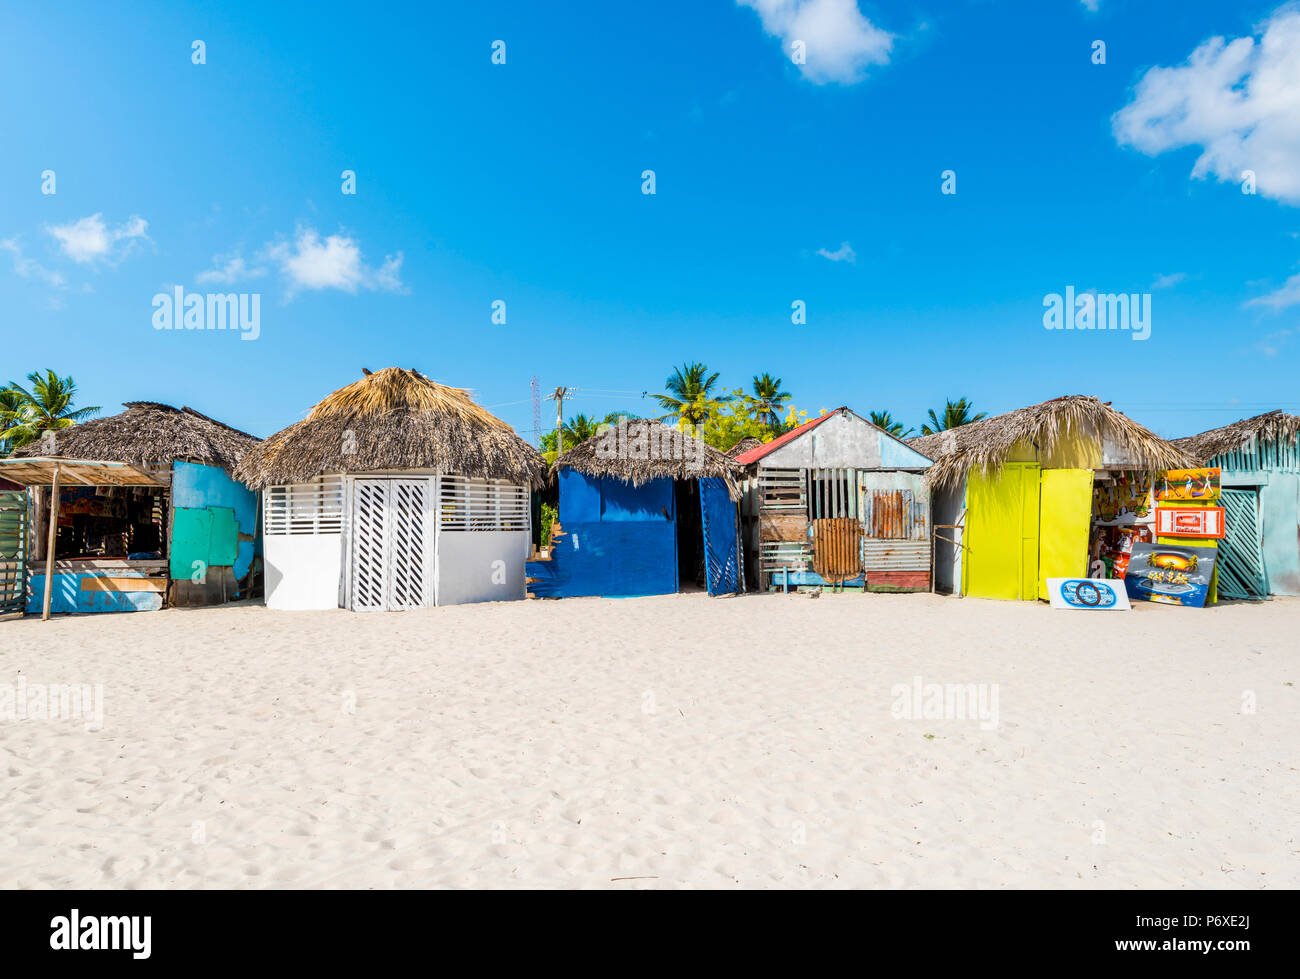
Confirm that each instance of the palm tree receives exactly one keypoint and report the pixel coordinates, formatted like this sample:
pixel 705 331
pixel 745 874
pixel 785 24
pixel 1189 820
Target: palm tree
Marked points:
pixel 689 386
pixel 885 421
pixel 578 429
pixel 10 414
pixel 46 405
pixel 955 414
pixel 769 399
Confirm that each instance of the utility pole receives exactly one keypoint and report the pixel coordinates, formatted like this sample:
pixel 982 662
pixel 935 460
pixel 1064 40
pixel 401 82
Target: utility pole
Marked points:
pixel 537 410
pixel 558 397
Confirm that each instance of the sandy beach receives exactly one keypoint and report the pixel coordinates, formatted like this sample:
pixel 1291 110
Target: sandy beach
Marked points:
pixel 672 742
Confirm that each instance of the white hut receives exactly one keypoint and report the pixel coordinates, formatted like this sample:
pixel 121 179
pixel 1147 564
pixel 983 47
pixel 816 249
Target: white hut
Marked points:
pixel 394 493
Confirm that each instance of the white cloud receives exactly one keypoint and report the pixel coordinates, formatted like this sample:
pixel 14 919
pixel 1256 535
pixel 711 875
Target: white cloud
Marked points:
pixel 1168 281
pixel 29 268
pixel 91 240
pixel 1092 5
pixel 1238 101
pixel 334 262
pixel 1280 299
pixel 844 253
pixel 229 269
pixel 1273 342
pixel 839 43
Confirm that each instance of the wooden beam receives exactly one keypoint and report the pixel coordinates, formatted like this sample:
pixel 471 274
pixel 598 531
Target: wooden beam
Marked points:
pixel 49 555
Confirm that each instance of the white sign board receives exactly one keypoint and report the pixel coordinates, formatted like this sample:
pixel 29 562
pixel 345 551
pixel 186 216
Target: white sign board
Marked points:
pixel 1093 594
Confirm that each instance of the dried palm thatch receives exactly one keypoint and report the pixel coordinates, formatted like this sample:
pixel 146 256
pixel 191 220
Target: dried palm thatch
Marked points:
pixel 642 449
pixel 990 442
pixel 149 433
pixel 394 419
pixel 744 445
pixel 1272 426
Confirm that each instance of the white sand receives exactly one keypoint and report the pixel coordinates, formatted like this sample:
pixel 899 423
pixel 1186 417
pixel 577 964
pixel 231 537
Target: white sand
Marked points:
pixel 682 741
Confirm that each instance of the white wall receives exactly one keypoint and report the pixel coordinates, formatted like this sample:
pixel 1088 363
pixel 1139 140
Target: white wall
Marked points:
pixel 948 508
pixel 303 571
pixel 468 570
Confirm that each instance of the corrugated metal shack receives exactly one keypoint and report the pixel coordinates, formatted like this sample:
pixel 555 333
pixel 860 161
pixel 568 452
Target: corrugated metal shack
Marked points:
pixel 840 502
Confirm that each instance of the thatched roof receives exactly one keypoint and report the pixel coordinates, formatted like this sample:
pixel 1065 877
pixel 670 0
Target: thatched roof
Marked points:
pixel 1272 426
pixel 394 419
pixel 988 443
pixel 642 449
pixel 150 433
pixel 744 445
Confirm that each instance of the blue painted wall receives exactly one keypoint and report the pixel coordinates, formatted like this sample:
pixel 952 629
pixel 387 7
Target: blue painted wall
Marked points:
pixel 199 487
pixel 66 595
pixel 617 540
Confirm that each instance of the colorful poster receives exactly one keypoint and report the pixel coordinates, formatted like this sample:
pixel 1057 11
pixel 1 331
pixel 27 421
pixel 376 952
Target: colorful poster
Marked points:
pixel 1172 574
pixel 1087 593
pixel 1188 484
pixel 1190 522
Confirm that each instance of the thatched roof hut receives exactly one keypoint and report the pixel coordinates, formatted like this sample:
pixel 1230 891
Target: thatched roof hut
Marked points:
pixel 991 442
pixel 394 419
pixel 150 433
pixel 1272 426
pixel 642 449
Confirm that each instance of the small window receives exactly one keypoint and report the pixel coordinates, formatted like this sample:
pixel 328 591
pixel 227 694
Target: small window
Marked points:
pixel 466 505
pixel 304 508
pixel 832 493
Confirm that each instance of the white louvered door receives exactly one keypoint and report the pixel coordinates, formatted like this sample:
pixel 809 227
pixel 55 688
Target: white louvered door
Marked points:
pixel 408 502
pixel 390 532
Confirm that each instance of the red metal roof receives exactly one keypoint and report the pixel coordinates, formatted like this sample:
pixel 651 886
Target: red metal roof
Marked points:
pixel 756 453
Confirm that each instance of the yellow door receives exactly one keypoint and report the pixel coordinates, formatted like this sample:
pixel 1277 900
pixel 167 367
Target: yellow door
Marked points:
pixel 1001 538
pixel 1065 521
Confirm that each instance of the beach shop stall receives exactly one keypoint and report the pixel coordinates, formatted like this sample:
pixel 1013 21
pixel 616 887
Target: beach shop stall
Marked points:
pixel 133 512
pixel 1042 492
pixel 644 509
pixel 394 493
pixel 1259 478
pixel 837 502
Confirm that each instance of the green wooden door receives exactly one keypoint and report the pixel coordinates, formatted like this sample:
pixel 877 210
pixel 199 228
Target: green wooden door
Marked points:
pixel 1241 552
pixel 13 551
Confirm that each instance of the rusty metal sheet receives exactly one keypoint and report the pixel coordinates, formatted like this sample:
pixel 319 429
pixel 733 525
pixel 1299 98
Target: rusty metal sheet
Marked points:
pixel 888 555
pixel 895 506
pixel 835 547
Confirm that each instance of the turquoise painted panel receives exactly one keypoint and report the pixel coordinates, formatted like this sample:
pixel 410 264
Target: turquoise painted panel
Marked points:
pixel 191 541
pixel 67 596
pixel 1280 505
pixel 197 487
pixel 223 542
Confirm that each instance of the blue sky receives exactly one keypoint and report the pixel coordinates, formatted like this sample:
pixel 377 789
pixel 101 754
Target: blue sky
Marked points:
pixel 521 182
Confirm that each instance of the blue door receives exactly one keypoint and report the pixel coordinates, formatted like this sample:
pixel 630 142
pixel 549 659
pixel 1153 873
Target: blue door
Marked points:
pixel 721 555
